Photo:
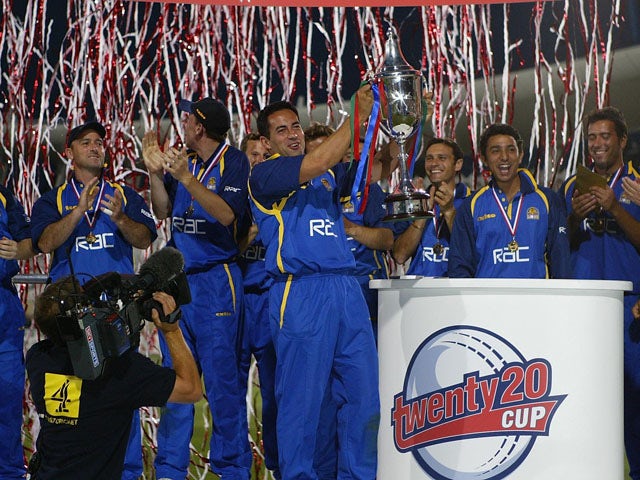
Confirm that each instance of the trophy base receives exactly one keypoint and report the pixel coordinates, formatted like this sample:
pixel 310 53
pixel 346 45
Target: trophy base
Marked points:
pixel 407 207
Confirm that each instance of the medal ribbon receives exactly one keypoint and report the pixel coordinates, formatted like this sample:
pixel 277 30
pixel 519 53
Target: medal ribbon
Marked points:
pixel 615 178
pixel 355 134
pixel 365 163
pixel 437 223
pixel 90 221
pixel 514 227
pixel 203 173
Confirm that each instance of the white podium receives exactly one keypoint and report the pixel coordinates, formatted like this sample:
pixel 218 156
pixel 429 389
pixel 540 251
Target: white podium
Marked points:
pixel 485 379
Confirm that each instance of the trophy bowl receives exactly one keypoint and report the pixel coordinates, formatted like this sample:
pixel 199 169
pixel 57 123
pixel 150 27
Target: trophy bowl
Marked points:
pixel 400 88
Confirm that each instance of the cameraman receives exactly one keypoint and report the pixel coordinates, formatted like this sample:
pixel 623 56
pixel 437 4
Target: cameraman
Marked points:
pixel 85 424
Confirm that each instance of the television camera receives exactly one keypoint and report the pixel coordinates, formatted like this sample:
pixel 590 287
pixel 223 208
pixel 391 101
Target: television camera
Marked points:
pixel 104 319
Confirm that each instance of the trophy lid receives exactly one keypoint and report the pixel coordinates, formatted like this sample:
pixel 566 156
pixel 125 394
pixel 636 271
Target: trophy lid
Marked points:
pixel 393 61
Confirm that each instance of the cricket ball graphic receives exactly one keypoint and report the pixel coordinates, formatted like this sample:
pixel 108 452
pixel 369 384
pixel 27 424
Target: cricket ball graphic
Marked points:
pixel 493 406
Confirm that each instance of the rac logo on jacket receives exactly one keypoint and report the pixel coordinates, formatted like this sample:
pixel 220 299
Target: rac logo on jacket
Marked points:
pixel 98 242
pixel 321 227
pixel 504 255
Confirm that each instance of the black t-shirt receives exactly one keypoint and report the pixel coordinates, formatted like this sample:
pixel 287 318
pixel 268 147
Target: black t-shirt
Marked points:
pixel 85 424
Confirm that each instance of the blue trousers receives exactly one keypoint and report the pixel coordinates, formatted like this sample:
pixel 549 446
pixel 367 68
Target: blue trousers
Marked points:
pixel 324 346
pixel 256 341
pixel 12 387
pixel 631 389
pixel 210 327
pixel 133 456
pixel 12 376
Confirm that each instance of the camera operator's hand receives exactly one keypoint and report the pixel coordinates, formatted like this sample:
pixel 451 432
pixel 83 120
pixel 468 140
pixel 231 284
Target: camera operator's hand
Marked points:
pixel 168 306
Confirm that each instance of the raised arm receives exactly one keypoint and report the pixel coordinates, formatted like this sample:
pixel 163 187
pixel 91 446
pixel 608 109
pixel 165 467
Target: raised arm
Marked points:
pixel 333 149
pixel 214 204
pixel 154 159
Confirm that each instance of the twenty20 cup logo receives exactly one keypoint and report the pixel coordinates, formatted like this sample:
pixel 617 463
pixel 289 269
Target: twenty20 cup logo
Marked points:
pixel 469 390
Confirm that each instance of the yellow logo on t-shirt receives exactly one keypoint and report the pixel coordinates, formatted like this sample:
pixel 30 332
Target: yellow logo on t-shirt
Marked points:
pixel 533 213
pixel 62 397
pixel 486 216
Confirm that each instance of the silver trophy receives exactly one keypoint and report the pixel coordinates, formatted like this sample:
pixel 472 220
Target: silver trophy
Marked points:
pixel 400 88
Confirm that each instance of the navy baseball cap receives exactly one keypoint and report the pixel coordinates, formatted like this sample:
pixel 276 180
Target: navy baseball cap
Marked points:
pixel 74 133
pixel 210 113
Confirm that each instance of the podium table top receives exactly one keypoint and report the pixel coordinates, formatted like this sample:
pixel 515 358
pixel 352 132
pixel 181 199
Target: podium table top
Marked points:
pixel 418 282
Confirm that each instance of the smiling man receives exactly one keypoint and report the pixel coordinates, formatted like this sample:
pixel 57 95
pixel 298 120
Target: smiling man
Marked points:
pixel 90 221
pixel 605 237
pixel 427 240
pixel 92 224
pixel 511 228
pixel 319 318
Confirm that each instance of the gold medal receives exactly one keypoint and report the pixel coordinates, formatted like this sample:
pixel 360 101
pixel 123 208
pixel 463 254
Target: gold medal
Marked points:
pixel 91 220
pixel 597 225
pixel 438 222
pixel 512 246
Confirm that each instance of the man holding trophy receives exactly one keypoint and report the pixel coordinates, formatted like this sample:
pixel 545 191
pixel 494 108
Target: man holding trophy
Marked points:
pixel 322 341
pixel 319 318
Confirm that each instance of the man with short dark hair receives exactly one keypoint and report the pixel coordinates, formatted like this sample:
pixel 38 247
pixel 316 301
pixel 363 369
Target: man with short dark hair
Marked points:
pixel 85 424
pixel 426 241
pixel 604 228
pixel 91 225
pixel 204 193
pixel 89 221
pixel 511 228
pixel 319 318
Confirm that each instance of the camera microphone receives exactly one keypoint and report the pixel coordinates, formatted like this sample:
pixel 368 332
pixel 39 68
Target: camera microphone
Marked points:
pixel 162 271
pixel 161 267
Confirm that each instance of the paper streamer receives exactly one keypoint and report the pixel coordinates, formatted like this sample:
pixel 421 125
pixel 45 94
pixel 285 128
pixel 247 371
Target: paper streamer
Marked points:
pixel 128 63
